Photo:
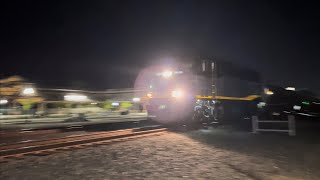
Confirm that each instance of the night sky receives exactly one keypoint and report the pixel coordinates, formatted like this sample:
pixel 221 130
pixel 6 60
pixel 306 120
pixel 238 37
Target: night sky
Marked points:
pixel 104 44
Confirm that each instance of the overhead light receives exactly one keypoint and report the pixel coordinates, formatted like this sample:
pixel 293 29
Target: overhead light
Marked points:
pixel 136 99
pixel 28 91
pixel 3 101
pixel 76 97
pixel 290 88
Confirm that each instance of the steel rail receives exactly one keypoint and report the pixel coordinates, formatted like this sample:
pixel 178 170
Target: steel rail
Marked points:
pixel 76 141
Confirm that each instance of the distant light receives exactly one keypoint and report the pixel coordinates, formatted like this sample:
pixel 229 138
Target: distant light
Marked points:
pixel 76 97
pixel 93 103
pixel 305 103
pixel 290 88
pixel 268 92
pixel 149 95
pixel 295 107
pixel 28 91
pixel 150 86
pixel 115 104
pixel 3 101
pixel 136 99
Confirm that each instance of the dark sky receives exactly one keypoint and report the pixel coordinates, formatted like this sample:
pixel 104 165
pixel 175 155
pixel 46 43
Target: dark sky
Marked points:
pixel 104 44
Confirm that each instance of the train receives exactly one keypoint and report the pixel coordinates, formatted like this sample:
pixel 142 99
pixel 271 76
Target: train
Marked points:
pixel 202 91
pixel 278 102
pixel 220 92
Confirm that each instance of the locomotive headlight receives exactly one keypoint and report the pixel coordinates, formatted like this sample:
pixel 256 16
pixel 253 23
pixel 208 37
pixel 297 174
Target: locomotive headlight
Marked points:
pixel 167 74
pixel 177 93
pixel 149 95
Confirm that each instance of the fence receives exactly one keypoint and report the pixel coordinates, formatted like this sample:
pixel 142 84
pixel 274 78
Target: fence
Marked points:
pixel 291 125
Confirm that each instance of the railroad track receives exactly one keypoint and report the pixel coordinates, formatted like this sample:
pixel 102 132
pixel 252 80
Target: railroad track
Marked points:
pixel 49 146
pixel 28 132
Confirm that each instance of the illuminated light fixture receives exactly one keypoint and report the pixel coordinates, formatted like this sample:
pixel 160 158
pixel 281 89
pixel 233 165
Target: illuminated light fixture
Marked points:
pixel 115 104
pixel 76 97
pixel 295 107
pixel 290 88
pixel 268 92
pixel 136 99
pixel 167 74
pixel 3 101
pixel 176 93
pixel 28 91
pixel 149 95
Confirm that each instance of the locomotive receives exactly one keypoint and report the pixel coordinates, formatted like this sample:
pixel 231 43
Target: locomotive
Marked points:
pixel 201 91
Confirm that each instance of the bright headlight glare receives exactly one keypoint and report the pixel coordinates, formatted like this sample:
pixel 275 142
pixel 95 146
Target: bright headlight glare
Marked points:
pixel 167 74
pixel 176 93
pixel 149 95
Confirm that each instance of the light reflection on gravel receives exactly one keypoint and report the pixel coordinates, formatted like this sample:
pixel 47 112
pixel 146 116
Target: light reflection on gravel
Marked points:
pixel 169 156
